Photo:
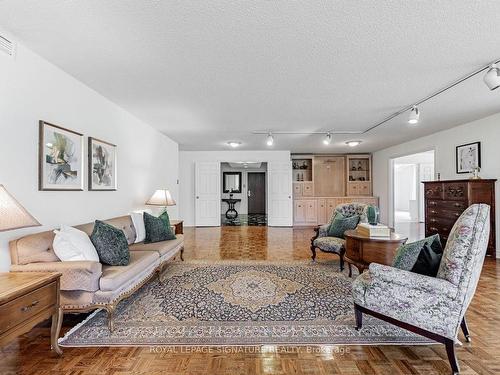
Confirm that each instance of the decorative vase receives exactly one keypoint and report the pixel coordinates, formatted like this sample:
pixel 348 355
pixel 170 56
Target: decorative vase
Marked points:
pixel 372 215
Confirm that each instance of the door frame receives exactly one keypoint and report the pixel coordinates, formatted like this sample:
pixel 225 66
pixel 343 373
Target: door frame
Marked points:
pixel 390 190
pixel 265 188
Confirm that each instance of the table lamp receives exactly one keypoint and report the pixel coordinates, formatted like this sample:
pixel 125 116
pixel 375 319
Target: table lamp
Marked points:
pixel 12 214
pixel 161 198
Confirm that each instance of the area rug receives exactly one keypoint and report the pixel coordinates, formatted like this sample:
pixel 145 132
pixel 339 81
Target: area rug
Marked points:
pixel 240 303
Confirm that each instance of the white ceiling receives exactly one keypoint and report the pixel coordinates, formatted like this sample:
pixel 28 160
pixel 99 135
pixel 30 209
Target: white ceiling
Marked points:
pixel 206 72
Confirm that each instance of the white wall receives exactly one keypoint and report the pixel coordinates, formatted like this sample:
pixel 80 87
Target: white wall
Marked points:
pixel 187 160
pixel 486 130
pixel 32 89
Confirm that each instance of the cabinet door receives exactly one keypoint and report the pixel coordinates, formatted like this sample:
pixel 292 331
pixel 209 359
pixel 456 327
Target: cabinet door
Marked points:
pixel 330 206
pixel 299 212
pixel 297 189
pixel 311 212
pixel 307 189
pixel 329 176
pixel 353 189
pixel 322 211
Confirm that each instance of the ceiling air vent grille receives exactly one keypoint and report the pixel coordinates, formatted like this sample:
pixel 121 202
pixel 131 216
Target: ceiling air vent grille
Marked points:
pixel 6 46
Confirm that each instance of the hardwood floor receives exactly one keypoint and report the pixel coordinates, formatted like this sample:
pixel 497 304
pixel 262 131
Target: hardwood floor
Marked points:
pixel 30 354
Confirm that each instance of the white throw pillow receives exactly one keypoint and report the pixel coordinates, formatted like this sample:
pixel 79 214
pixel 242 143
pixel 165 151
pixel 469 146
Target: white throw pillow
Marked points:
pixel 71 244
pixel 138 221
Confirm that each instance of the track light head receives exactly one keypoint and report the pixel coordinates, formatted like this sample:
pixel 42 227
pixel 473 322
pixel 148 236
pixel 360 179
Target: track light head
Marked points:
pixel 492 77
pixel 414 115
pixel 328 139
pixel 270 140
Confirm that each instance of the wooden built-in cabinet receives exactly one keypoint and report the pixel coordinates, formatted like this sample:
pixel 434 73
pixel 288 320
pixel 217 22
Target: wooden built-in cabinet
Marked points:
pixel 446 200
pixel 322 182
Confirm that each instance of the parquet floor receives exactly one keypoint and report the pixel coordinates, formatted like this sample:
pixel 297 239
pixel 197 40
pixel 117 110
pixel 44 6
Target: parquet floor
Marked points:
pixel 30 354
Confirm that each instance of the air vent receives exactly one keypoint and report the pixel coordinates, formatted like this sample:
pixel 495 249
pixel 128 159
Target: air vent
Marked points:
pixel 6 46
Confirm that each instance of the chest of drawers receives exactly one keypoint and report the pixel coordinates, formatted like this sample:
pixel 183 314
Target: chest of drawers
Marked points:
pixel 446 200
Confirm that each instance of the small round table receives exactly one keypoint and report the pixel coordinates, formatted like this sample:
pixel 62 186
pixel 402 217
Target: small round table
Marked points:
pixel 361 250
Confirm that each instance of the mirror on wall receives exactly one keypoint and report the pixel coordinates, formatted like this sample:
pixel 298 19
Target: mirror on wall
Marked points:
pixel 231 182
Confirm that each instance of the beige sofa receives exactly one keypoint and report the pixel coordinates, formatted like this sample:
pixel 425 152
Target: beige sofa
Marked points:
pixel 87 285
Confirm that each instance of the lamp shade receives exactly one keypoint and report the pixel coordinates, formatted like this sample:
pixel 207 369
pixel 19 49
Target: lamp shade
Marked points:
pixel 161 197
pixel 12 214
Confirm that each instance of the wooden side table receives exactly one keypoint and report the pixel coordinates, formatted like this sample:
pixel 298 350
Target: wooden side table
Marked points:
pixel 26 299
pixel 179 226
pixel 361 250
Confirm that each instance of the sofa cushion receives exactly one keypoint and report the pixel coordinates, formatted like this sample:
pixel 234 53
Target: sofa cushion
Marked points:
pixel 113 277
pixel 161 247
pixel 342 223
pixel 77 275
pixel 111 244
pixel 157 228
pixel 71 244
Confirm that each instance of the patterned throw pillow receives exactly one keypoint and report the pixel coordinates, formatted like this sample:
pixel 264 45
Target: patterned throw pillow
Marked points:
pixel 407 254
pixel 341 223
pixel 157 228
pixel 111 244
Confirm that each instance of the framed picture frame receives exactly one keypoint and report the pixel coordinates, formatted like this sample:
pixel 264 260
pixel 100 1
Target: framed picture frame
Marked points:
pixel 468 157
pixel 102 165
pixel 60 158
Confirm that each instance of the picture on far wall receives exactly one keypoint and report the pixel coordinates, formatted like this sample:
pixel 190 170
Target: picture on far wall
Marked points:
pixel 102 165
pixel 60 158
pixel 468 157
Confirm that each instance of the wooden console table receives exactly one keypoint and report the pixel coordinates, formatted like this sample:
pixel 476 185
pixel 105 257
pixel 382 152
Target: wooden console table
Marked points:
pixel 361 250
pixel 26 299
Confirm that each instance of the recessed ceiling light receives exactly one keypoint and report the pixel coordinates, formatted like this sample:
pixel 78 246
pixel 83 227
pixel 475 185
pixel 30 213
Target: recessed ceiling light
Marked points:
pixel 414 115
pixel 270 140
pixel 492 77
pixel 353 143
pixel 234 144
pixel 328 139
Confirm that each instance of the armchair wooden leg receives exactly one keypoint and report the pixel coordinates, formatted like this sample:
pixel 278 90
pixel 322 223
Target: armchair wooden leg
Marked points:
pixel 359 318
pixel 350 269
pixel 465 330
pixel 313 249
pixel 182 254
pixel 341 255
pixel 452 358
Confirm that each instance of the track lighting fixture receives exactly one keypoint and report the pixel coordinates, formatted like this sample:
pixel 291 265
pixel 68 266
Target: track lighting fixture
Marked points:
pixel 328 139
pixel 414 115
pixel 270 140
pixel 234 144
pixel 492 77
pixel 353 143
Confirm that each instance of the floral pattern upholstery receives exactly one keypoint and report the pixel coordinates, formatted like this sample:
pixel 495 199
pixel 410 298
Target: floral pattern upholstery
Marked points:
pixel 436 304
pixel 329 244
pixel 334 244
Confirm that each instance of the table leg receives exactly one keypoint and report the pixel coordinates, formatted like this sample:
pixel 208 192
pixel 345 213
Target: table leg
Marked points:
pixel 55 329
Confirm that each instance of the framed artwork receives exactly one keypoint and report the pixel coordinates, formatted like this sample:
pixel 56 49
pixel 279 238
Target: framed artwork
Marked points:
pixel 468 157
pixel 102 165
pixel 60 158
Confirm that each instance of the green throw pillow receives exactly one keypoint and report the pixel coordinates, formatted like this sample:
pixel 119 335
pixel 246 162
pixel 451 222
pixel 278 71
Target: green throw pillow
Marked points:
pixel 111 244
pixel 341 223
pixel 157 228
pixel 407 254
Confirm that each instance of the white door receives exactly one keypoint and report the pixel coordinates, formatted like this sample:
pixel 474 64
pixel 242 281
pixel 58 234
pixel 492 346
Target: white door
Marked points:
pixel 207 194
pixel 280 211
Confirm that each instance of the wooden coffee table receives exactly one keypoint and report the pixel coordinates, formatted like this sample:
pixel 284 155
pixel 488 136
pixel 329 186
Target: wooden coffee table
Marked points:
pixel 361 250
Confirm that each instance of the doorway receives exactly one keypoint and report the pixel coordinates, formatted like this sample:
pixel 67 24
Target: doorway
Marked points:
pixel 246 205
pixel 408 192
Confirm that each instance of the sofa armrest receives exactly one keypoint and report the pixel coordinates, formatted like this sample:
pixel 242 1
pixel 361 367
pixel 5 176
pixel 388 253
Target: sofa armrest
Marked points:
pixel 77 275
pixel 412 280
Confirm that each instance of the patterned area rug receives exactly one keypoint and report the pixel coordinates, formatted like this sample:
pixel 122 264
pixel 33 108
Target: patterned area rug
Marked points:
pixel 240 303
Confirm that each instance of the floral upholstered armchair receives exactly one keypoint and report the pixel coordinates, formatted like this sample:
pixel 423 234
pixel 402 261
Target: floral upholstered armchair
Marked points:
pixel 433 307
pixel 335 245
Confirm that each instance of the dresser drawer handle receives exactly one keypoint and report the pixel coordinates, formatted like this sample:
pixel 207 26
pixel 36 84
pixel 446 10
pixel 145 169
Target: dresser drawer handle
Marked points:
pixel 433 229
pixel 433 212
pixel 433 220
pixel 26 308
